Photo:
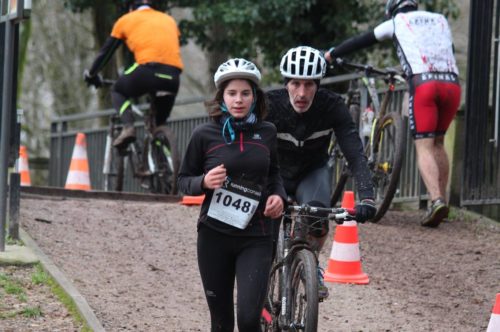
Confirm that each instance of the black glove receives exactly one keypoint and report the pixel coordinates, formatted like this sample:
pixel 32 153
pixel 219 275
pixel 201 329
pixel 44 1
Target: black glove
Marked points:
pixel 365 210
pixel 95 80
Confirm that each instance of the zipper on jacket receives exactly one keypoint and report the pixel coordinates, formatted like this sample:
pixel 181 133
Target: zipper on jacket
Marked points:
pixel 241 141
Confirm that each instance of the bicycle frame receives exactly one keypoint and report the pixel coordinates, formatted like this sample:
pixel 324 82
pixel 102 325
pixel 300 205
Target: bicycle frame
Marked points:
pixel 380 111
pixel 154 160
pixel 291 245
pixel 385 143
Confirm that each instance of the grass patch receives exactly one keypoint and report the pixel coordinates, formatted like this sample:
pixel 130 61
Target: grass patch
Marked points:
pixel 39 277
pixel 32 312
pixel 12 287
pixel 11 241
pixel 64 298
pixel 7 315
pixel 453 215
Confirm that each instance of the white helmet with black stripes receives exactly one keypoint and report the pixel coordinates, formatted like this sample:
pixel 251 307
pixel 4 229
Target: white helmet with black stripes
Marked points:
pixel 303 62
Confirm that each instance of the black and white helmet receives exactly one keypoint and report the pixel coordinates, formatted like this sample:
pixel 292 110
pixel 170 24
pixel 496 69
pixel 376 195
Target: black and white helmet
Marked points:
pixel 393 6
pixel 236 68
pixel 303 62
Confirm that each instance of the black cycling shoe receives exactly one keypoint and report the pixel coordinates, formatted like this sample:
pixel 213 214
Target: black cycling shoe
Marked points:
pixel 322 288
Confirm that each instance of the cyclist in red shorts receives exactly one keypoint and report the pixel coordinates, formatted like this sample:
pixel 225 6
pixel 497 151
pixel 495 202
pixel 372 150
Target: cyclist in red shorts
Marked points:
pixel 425 49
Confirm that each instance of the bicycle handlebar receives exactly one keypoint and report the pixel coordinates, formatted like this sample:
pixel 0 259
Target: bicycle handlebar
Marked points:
pixel 337 214
pixel 107 82
pixel 370 70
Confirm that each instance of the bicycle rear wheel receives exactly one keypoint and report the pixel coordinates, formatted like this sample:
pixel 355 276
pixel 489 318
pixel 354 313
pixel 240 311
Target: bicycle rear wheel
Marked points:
pixel 388 150
pixel 165 160
pixel 304 292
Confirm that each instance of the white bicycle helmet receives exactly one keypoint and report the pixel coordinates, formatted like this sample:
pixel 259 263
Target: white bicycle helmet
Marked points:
pixel 236 68
pixel 394 5
pixel 303 62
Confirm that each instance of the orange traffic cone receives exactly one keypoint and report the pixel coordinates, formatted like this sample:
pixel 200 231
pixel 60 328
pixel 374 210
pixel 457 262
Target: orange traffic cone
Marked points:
pixel 22 166
pixel 192 200
pixel 348 200
pixel 78 175
pixel 494 324
pixel 344 265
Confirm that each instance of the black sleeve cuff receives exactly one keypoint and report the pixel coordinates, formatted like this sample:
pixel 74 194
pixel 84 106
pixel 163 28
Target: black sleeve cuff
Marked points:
pixel 353 44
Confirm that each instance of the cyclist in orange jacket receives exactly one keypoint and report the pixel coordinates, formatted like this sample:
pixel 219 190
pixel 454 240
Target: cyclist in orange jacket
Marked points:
pixel 153 38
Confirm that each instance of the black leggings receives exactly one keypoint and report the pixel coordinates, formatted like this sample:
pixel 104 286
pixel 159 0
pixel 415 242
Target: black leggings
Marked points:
pixel 161 82
pixel 221 259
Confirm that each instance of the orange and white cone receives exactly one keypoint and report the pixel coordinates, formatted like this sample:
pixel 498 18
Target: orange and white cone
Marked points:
pixel 494 324
pixel 78 175
pixel 22 166
pixel 348 200
pixel 344 265
pixel 192 200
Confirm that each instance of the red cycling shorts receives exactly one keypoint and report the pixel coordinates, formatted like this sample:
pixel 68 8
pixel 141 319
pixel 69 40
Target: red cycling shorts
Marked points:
pixel 433 103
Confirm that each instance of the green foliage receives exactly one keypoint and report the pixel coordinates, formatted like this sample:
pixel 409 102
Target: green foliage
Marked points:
pixel 446 7
pixel 246 28
pixel 119 5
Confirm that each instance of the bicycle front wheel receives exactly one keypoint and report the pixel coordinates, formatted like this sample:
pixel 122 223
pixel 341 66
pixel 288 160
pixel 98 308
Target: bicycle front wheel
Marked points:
pixel 389 143
pixel 166 161
pixel 272 305
pixel 273 299
pixel 304 292
pixel 114 167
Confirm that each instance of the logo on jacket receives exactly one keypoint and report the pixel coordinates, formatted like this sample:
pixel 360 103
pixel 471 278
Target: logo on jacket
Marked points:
pixel 256 136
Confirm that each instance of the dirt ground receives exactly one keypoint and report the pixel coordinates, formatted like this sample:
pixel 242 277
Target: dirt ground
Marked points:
pixel 50 314
pixel 135 264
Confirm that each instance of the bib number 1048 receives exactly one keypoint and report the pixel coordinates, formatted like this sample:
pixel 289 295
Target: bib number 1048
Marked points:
pixel 234 204
pixel 227 200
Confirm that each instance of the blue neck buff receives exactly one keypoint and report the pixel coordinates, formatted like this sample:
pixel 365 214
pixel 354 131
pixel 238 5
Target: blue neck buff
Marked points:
pixel 230 124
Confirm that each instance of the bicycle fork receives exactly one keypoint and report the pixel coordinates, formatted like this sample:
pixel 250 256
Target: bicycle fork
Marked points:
pixel 285 283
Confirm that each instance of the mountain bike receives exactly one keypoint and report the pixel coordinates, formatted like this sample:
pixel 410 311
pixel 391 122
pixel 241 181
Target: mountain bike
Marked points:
pixel 154 160
pixel 384 147
pixel 292 297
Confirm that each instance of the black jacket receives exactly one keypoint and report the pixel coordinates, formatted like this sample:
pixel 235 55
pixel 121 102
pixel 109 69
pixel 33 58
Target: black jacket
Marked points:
pixel 251 157
pixel 303 138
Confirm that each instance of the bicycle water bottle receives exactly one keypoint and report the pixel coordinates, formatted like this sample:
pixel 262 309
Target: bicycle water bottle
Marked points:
pixel 366 122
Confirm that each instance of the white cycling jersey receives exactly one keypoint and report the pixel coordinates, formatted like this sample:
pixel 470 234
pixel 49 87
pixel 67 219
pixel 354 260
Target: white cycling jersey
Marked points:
pixel 423 42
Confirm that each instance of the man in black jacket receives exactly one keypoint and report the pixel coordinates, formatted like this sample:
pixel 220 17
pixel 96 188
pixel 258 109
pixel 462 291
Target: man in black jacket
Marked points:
pixel 305 116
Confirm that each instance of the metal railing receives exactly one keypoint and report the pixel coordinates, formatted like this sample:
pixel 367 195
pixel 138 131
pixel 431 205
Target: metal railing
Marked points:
pixel 63 140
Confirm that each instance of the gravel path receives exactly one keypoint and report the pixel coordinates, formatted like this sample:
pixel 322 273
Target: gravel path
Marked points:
pixel 135 264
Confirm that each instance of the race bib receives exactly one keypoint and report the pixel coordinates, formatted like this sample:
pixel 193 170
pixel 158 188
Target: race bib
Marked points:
pixel 235 203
